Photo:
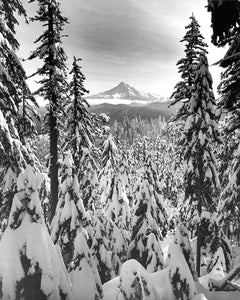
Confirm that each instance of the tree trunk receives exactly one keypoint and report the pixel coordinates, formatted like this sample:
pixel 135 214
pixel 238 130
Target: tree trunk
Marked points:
pixel 53 163
pixel 198 259
pixel 53 119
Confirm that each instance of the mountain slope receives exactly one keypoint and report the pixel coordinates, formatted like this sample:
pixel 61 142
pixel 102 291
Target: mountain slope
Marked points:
pixel 117 112
pixel 150 111
pixel 124 91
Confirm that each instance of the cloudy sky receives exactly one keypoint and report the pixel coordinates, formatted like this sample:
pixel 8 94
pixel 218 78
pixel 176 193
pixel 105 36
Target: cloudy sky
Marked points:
pixel 135 41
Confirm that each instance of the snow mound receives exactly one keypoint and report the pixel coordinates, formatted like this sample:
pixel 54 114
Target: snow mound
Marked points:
pixel 30 264
pixel 135 282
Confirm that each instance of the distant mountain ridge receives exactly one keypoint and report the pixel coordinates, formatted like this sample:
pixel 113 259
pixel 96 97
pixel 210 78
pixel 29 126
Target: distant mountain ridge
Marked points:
pixel 149 111
pixel 117 112
pixel 125 91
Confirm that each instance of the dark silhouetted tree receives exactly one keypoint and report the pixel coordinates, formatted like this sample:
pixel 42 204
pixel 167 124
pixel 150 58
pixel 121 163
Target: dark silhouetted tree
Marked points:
pixel 53 83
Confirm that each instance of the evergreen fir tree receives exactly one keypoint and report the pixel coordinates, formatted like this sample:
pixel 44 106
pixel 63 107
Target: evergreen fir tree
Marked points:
pixel 118 245
pixel 109 152
pixel 217 262
pixel 108 162
pixel 70 213
pixel 88 179
pixel 180 277
pixel 149 218
pixel 14 156
pixel 83 128
pixel 100 250
pixel 200 132
pixel 26 124
pixel 227 151
pixel 145 247
pixel 225 17
pixel 82 131
pixel 53 83
pixel 229 102
pixel 117 207
pixel 218 240
pixel 182 239
pixel 86 283
pixel 80 123
pixel 150 167
pixel 34 268
pixel 9 149
pixel 118 215
pixel 194 45
pixel 147 192
pixel 135 282
pixel 13 76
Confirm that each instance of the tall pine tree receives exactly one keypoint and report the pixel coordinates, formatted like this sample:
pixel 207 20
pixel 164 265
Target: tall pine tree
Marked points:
pixel 79 121
pixel 82 128
pixel 53 83
pixel 194 45
pixel 200 132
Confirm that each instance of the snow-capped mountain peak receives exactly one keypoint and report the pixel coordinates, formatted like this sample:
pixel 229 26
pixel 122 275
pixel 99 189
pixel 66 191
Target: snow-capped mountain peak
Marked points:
pixel 124 91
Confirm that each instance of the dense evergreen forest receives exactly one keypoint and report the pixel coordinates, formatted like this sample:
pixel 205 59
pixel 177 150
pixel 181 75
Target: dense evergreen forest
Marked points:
pixel 140 209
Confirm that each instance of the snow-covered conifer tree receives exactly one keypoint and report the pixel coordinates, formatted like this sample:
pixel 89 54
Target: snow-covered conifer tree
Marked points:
pixel 118 246
pixel 108 162
pixel 148 219
pixel 100 250
pixel 182 239
pixel 150 167
pixel 217 262
pixel 109 152
pixel 229 102
pixel 119 219
pixel 79 121
pixel 194 45
pixel 135 282
pixel 53 83
pixel 86 283
pixel 200 132
pixel 13 76
pixel 30 266
pixel 219 240
pixel 88 179
pixel 26 125
pixel 83 128
pixel 145 247
pixel 70 213
pixel 117 207
pixel 148 201
pixel 181 279
pixel 14 156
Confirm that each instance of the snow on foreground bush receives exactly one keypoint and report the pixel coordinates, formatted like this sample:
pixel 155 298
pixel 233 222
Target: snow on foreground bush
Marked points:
pixel 179 274
pixel 30 265
pixel 174 282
